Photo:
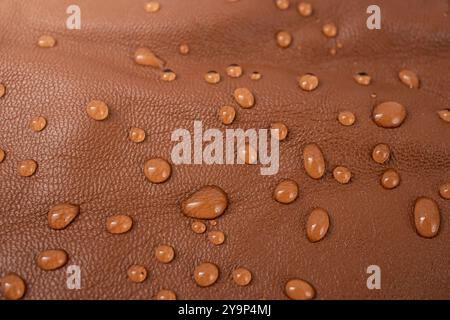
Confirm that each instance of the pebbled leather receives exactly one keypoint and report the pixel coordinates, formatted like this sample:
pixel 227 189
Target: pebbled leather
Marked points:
pixel 94 165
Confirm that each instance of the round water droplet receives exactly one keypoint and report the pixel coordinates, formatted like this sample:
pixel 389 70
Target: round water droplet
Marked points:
pixel 284 39
pixel 313 161
pixel 305 9
pixel 255 76
pixel 164 253
pixel 389 114
pixel 61 215
pixel 297 289
pixel 234 71
pixel 198 227
pixel 46 41
pixel 166 295
pixel 444 115
pixel 282 4
pixel 381 153
pixel 444 190
pixel 184 49
pixel 152 6
pixel 216 237
pixel 282 130
pixel 342 175
pixel 208 202
pixel 168 75
pixel 136 135
pixel 97 110
pixel 137 273
pixel 12 286
pixel 213 222
pixel 247 154
pixel 38 124
pixel 212 77
pixel 2 90
pixel 362 78
pixel 286 191
pixel 346 118
pixel 317 224
pixel 390 179
pixel 119 224
pixel 206 274
pixel 409 78
pixel 52 259
pixel 227 114
pixel 329 30
pixel 242 276
pixel 2 155
pixel 27 168
pixel 157 170
pixel 426 217
pixel 244 98
pixel 308 82
pixel 146 57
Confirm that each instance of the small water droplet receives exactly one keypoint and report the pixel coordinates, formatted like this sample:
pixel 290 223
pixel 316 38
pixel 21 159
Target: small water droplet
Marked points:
pixel 284 39
pixel 381 153
pixel 426 217
pixel 282 4
pixel 166 295
pixel 444 190
pixel 346 118
pixel 212 77
pixel 342 175
pixel 136 135
pixel 46 41
pixel 137 273
pixel 2 90
pixel 234 71
pixel 12 286
pixel 286 191
pixel 362 78
pixel 329 30
pixel 206 274
pixel 38 124
pixel 244 98
pixel 145 57
pixel 52 259
pixel 444 115
pixel 27 168
pixel 152 6
pixel 119 224
pixel 317 224
pixel 227 114
pixel 247 154
pixel 389 114
pixel 313 161
pixel 61 215
pixel 164 253
pixel 97 110
pixel 184 49
pixel 157 170
pixel 209 202
pixel 308 82
pixel 409 78
pixel 390 179
pixel 339 44
pixel 333 51
pixel 216 237
pixel 168 75
pixel 305 9
pixel 255 76
pixel 213 222
pixel 282 130
pixel 198 227
pixel 242 276
pixel 297 289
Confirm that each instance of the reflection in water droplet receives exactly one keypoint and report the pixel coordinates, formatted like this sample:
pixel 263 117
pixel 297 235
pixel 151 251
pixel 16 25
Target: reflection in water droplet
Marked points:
pixel 212 77
pixel 381 153
pixel 242 276
pixel 427 217
pixel 297 289
pixel 308 82
pixel 208 202
pixel 119 224
pixel 206 274
pixel 389 114
pixel 157 170
pixel 27 168
pixel 216 237
pixel 46 41
pixel 137 273
pixel 136 135
pixel 164 253
pixel 286 191
pixel 284 39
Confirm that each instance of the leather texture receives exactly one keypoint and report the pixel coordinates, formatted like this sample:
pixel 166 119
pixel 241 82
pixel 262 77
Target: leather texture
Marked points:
pixel 93 164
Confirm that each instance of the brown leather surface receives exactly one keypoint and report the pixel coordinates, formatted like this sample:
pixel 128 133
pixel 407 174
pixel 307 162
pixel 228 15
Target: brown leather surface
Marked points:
pixel 94 165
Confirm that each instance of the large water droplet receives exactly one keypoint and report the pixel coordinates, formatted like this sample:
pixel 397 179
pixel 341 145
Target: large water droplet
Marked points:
pixel 208 202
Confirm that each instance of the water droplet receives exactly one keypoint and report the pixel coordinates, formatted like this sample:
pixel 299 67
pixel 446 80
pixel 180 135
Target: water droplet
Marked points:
pixel 38 124
pixel 244 98
pixel 362 78
pixel 342 175
pixel 137 273
pixel 227 114
pixel 46 41
pixel 297 289
pixel 390 179
pixel 282 4
pixel 242 276
pixel 333 51
pixel 308 82
pixel 381 153
pixel 209 202
pixel 168 75
pixel 255 76
pixel 426 217
pixel 329 30
pixel 198 227
pixel 216 237
pixel 346 118
pixel 444 115
pixel 136 135
pixel 247 154
pixel 313 161
pixel 27 168
pixel 282 130
pixel 119 224
pixel 305 9
pixel 286 191
pixel 164 253
pixel 444 190
pixel 184 49
pixel 213 222
pixel 206 274
pixel 61 215
pixel 339 44
pixel 389 114
pixel 157 170
pixel 234 71
pixel 51 259
pixel 409 78
pixel 212 77
pixel 2 155
pixel 2 90
pixel 166 295
pixel 145 57
pixel 373 95
pixel 317 224
pixel 284 39
pixel 12 286
pixel 152 6
pixel 97 110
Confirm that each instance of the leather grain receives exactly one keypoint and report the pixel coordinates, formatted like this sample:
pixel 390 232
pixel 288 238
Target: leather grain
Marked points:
pixel 94 165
